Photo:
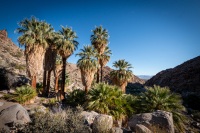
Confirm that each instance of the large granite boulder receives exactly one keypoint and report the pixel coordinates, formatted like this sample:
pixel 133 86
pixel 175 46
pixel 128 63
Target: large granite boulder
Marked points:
pixel 89 117
pixel 10 80
pixel 12 114
pixel 159 121
pixel 102 124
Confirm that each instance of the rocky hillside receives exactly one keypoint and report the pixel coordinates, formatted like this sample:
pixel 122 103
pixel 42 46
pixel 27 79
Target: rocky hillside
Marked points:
pixel 11 57
pixel 75 76
pixel 182 78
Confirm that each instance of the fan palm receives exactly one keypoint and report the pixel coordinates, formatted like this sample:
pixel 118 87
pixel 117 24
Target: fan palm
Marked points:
pixel 106 99
pixel 103 59
pixel 122 75
pixel 66 45
pixel 158 98
pixel 99 40
pixel 34 34
pixel 88 66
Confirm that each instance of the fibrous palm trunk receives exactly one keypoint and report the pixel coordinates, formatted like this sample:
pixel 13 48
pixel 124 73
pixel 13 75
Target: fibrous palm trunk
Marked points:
pixel 44 82
pixel 97 76
pixel 63 78
pixel 48 82
pixel 33 81
pixel 101 73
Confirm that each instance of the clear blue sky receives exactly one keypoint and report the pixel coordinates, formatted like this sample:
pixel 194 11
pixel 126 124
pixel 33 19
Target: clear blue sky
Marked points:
pixel 152 35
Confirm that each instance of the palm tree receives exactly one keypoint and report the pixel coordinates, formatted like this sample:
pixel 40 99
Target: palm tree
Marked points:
pixel 66 45
pixel 88 66
pixel 99 40
pixel 34 34
pixel 103 59
pixel 122 75
pixel 160 98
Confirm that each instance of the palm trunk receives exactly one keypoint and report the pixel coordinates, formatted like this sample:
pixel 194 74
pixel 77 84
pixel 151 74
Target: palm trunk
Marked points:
pixel 56 83
pixel 86 90
pixel 97 76
pixel 33 82
pixel 63 78
pixel 48 82
pixel 44 82
pixel 101 73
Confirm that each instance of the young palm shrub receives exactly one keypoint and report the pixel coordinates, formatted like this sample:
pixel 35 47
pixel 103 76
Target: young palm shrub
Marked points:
pixel 22 94
pixel 76 98
pixel 158 98
pixel 107 99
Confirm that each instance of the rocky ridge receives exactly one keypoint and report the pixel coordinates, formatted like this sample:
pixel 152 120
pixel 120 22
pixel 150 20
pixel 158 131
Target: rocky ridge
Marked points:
pixel 184 78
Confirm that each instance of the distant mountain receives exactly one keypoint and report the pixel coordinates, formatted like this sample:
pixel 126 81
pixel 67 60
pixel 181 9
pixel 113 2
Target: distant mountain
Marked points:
pixel 145 77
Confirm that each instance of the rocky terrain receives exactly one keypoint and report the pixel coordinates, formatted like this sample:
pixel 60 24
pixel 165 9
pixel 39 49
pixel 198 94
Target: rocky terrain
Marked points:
pixel 13 67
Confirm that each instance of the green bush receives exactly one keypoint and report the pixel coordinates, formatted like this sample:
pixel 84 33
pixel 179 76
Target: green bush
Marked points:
pixel 107 99
pixel 69 121
pixel 75 98
pixel 22 94
pixel 158 98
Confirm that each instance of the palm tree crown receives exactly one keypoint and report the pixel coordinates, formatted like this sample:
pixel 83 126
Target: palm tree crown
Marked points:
pixel 66 43
pixel 87 59
pixel 122 75
pixel 99 39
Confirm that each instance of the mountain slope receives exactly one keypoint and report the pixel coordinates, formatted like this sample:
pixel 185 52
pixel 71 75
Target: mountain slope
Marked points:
pixel 182 78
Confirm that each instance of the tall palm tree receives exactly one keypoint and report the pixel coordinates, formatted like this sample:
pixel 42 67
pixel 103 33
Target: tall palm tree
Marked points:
pixel 122 75
pixel 88 66
pixel 103 59
pixel 99 40
pixel 34 34
pixel 66 45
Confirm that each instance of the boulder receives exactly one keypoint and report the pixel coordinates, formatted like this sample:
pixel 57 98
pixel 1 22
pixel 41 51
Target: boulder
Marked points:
pixel 89 117
pixel 12 114
pixel 102 124
pixel 159 121
pixel 117 130
pixel 142 129
pixel 11 80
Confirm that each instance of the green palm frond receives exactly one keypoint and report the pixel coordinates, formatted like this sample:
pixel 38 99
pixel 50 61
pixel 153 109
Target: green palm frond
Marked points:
pixel 107 99
pixel 161 98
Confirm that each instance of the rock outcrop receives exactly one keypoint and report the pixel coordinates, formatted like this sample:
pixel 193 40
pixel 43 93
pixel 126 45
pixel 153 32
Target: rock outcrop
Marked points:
pixel 159 121
pixel 102 124
pixel 12 114
pixel 183 78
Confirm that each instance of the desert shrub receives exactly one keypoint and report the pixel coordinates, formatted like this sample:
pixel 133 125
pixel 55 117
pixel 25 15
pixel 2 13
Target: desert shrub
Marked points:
pixel 107 99
pixel 75 98
pixel 18 54
pixel 158 98
pixel 22 94
pixel 18 66
pixel 68 121
pixel 39 88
